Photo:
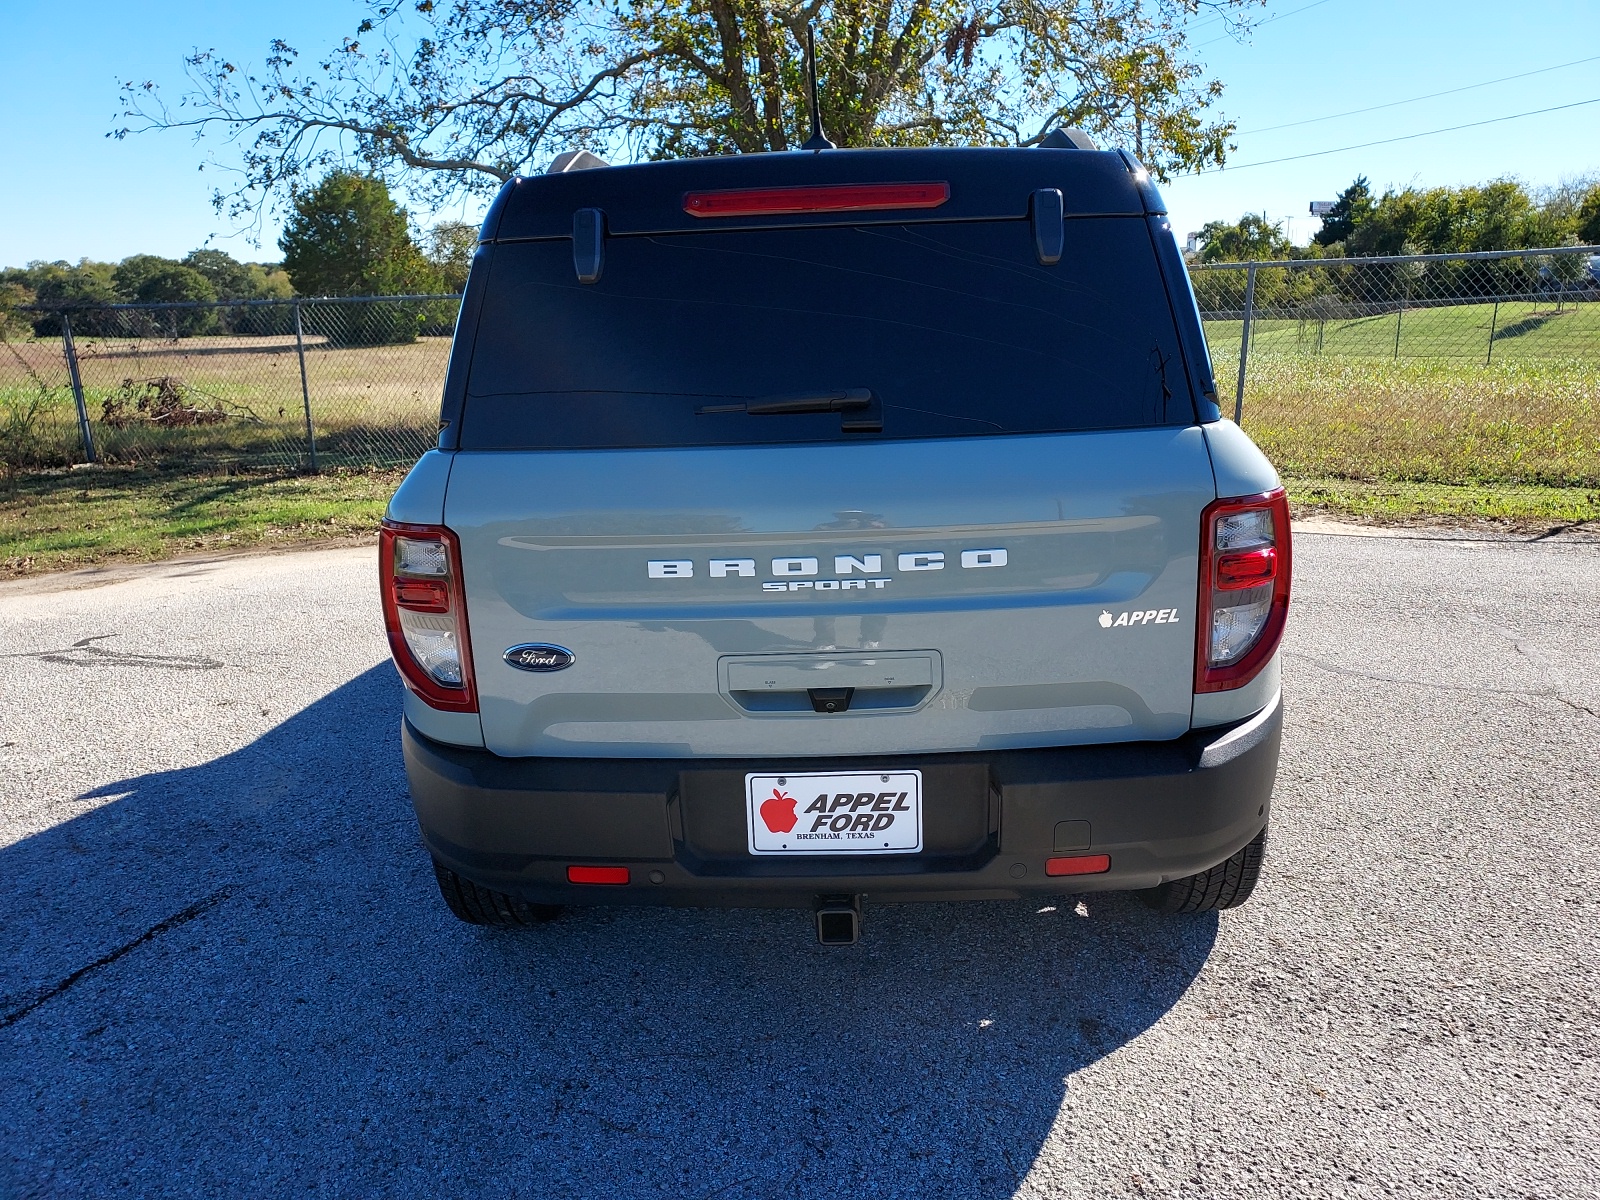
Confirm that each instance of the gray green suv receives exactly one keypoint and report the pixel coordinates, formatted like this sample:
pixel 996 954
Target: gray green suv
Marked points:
pixel 817 526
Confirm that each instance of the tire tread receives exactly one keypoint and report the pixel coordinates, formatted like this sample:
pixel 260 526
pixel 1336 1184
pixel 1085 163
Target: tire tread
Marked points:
pixel 1226 885
pixel 484 906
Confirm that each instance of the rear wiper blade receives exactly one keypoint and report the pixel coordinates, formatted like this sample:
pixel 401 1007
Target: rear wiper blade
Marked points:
pixel 839 400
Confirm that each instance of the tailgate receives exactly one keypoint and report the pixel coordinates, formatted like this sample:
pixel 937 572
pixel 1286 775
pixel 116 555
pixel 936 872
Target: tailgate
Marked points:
pixel 949 595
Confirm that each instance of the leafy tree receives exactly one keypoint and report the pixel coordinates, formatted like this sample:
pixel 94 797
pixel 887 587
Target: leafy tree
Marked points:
pixel 61 285
pixel 1252 237
pixel 1588 217
pixel 347 237
pixel 451 246
pixel 13 295
pixel 235 280
pixel 230 279
pixel 1349 210
pixel 149 279
pixel 269 281
pixel 1499 215
pixel 460 96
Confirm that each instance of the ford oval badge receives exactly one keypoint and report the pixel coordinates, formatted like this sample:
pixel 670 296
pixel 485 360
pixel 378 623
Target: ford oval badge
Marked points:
pixel 539 656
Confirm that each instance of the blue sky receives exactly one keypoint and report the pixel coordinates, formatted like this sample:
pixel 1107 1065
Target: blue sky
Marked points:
pixel 67 191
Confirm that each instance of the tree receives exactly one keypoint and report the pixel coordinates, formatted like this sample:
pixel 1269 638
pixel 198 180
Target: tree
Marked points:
pixel 1349 210
pixel 451 246
pixel 458 97
pixel 150 279
pixel 1588 217
pixel 235 280
pixel 58 285
pixel 229 278
pixel 1251 238
pixel 347 237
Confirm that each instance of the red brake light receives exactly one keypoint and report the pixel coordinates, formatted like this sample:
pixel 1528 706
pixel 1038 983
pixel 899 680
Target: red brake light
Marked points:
pixel 1244 589
pixel 597 875
pixel 425 614
pixel 1250 569
pixel 848 197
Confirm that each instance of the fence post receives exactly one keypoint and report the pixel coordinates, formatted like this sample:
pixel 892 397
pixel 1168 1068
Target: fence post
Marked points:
pixel 305 389
pixel 71 351
pixel 1399 313
pixel 1244 341
pixel 1494 323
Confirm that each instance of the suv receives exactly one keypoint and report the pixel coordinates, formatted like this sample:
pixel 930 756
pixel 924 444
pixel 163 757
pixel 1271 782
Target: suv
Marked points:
pixel 815 525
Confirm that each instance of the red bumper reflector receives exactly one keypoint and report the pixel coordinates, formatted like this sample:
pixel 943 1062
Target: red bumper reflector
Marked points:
pixel 597 874
pixel 849 197
pixel 422 595
pixel 1080 864
pixel 1247 569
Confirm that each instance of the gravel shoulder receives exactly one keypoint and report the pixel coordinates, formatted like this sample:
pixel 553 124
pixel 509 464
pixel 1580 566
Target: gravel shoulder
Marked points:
pixel 226 970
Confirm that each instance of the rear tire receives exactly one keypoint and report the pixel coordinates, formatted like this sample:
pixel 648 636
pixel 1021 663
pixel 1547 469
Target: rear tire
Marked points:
pixel 1226 885
pixel 483 906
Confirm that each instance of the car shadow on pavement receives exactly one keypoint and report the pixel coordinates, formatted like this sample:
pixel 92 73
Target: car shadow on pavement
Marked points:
pixel 238 978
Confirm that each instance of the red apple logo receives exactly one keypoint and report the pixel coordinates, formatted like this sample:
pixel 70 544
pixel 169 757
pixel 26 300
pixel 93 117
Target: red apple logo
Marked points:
pixel 778 812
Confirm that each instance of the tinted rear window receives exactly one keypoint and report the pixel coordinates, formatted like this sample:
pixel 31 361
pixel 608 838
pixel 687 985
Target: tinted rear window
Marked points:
pixel 955 327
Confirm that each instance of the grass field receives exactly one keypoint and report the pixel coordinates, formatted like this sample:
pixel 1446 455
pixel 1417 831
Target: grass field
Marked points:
pixel 79 517
pixel 1521 330
pixel 1440 432
pixel 372 405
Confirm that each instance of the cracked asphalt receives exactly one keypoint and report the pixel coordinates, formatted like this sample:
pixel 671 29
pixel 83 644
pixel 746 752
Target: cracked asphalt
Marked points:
pixel 224 968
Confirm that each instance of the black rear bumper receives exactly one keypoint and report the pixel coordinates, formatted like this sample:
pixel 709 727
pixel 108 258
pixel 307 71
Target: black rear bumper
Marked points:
pixel 1160 810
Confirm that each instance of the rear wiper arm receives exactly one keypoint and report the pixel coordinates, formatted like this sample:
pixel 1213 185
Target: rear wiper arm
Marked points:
pixel 839 400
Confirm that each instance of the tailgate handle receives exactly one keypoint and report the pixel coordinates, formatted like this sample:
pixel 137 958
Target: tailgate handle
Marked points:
pixel 588 244
pixel 1049 225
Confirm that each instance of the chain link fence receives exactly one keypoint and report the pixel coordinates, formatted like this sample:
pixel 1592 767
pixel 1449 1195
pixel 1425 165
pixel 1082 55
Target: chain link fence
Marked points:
pixel 1425 385
pixel 1422 385
pixel 285 385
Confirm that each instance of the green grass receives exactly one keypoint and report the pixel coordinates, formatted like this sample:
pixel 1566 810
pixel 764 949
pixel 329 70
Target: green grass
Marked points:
pixel 81 517
pixel 1518 439
pixel 1521 330
pixel 1397 502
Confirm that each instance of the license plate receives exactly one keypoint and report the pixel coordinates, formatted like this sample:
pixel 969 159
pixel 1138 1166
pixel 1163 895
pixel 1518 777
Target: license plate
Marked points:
pixel 876 812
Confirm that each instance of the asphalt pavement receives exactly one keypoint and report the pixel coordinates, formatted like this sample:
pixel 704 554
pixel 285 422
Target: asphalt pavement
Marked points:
pixel 225 970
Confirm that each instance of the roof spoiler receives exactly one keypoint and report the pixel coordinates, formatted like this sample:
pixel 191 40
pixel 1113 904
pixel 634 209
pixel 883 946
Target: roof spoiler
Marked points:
pixel 574 160
pixel 1067 139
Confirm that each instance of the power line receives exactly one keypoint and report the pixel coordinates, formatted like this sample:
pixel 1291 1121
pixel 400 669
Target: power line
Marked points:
pixel 1414 99
pixel 1407 137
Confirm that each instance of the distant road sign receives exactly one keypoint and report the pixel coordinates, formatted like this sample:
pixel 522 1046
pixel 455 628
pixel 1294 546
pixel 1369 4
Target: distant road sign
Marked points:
pixel 1321 208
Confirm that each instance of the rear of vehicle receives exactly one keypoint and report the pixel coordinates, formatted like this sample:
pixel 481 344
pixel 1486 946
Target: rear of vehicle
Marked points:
pixel 807 527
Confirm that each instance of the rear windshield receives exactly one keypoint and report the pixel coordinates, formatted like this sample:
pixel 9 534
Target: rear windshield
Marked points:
pixel 954 329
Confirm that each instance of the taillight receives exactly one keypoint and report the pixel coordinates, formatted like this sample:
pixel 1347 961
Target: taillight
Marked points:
pixel 849 197
pixel 1244 589
pixel 425 613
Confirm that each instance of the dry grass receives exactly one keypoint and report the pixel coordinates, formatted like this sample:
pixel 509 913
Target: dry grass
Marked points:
pixel 1364 435
pixel 372 404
